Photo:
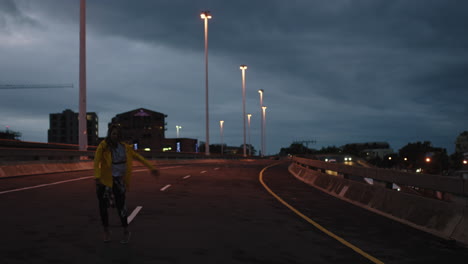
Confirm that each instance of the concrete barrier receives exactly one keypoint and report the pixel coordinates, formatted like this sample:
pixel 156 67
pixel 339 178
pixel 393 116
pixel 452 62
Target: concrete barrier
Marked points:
pixel 42 168
pixel 444 219
pixel 27 168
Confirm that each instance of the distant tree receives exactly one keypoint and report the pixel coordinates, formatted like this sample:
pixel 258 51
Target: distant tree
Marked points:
pixel 351 149
pixel 216 148
pixel 389 161
pixel 414 154
pixel 456 161
pixel 295 149
pixel 253 151
pixel 201 146
pixel 376 161
pixel 461 143
pixel 423 155
pixel 329 150
pixel 10 134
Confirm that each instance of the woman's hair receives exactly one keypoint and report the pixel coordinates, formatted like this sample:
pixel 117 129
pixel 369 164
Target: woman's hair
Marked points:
pixel 112 127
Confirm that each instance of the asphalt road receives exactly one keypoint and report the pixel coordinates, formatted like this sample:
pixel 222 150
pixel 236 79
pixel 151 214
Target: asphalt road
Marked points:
pixel 204 212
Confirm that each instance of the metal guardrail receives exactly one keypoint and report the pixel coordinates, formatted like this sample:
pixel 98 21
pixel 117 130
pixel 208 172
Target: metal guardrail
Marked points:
pixel 449 184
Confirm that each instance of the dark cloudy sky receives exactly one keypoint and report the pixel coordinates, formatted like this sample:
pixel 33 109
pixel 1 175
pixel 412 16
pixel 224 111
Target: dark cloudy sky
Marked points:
pixel 335 71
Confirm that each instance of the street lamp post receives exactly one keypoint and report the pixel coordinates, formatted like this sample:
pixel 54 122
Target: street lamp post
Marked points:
pixel 250 145
pixel 264 128
pixel 82 121
pixel 205 16
pixel 261 127
pixel 221 123
pixel 178 128
pixel 243 68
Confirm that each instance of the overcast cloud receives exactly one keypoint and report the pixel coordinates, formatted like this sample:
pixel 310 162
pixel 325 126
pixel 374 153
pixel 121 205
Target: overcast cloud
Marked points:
pixel 336 71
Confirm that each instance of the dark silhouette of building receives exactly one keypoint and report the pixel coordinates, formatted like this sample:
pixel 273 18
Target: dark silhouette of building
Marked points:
pixel 63 128
pixel 461 144
pixel 9 134
pixel 143 128
pixel 369 149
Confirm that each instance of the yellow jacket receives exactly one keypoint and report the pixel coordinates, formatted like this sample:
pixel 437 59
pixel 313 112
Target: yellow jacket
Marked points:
pixel 103 163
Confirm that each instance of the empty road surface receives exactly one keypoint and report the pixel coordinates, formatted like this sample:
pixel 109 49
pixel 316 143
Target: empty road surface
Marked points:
pixel 204 212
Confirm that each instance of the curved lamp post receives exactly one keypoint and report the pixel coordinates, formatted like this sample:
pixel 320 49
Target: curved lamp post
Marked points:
pixel 264 132
pixel 243 68
pixel 178 128
pixel 250 145
pixel 221 126
pixel 261 91
pixel 205 16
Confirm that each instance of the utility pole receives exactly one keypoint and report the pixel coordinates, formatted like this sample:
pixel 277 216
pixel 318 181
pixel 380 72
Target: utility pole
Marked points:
pixel 82 128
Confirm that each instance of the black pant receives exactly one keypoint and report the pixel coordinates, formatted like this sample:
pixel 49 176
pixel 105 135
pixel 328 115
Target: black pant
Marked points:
pixel 104 195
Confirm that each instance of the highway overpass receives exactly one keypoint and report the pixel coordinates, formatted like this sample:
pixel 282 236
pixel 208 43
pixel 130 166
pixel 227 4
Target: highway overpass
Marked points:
pixel 232 211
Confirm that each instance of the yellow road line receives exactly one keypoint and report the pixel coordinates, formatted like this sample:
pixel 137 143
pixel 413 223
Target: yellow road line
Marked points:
pixel 318 226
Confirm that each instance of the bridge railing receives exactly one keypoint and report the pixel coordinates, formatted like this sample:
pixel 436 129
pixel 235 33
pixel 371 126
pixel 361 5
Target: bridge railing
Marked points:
pixel 31 161
pixel 446 184
pixel 22 155
pixel 32 154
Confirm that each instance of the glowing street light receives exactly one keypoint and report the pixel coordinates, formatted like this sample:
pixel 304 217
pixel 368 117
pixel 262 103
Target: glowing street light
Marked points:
pixel 264 130
pixel 250 145
pixel 221 123
pixel 178 128
pixel 243 68
pixel 205 16
pixel 428 159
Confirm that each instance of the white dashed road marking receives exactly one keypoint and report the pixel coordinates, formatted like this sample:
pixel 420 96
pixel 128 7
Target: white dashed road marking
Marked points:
pixel 77 179
pixel 165 168
pixel 165 187
pixel 203 172
pixel 186 177
pixel 133 214
pixel 44 185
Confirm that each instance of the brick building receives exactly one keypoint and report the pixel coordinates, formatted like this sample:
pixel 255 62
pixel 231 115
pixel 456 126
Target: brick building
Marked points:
pixel 143 128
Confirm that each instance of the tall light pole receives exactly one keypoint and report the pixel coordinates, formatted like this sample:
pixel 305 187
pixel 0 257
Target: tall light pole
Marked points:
pixel 261 119
pixel 264 128
pixel 243 68
pixel 221 123
pixel 178 128
pixel 250 145
pixel 205 16
pixel 82 128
